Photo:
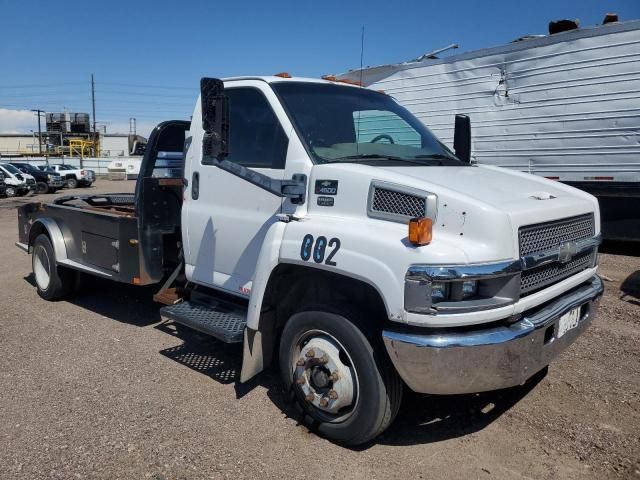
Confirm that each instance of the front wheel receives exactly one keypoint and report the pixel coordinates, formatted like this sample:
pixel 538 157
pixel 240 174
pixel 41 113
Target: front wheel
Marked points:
pixel 52 282
pixel 42 187
pixel 346 390
pixel 11 191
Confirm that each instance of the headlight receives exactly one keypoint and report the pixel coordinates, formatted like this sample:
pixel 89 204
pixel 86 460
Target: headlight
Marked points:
pixel 456 289
pixel 453 291
pixel 439 292
pixel 50 177
pixel 469 288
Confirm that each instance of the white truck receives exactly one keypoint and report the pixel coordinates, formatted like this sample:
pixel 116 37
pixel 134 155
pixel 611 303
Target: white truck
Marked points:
pixel 73 177
pixel 360 264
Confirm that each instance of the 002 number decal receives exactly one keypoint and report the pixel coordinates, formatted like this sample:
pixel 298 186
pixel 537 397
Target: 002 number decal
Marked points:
pixel 318 249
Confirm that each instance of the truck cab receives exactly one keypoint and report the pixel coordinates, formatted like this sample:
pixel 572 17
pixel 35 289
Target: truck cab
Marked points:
pixel 324 226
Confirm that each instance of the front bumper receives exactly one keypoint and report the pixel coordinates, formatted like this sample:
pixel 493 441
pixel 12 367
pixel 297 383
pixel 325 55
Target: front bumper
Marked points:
pixel 56 183
pixel 475 360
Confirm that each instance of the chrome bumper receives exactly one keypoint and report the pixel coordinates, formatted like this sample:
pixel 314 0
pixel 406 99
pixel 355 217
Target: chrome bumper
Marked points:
pixel 499 357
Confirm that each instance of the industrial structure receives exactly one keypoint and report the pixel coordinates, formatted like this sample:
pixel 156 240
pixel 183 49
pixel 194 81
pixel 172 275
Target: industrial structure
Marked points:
pixel 70 134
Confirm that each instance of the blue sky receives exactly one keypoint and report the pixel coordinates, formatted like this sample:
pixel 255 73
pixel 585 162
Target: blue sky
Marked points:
pixel 148 56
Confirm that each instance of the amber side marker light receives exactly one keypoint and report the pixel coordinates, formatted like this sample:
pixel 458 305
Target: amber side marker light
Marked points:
pixel 283 75
pixel 420 231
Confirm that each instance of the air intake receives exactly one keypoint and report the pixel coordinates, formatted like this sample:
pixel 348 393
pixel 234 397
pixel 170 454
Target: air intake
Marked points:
pixel 398 203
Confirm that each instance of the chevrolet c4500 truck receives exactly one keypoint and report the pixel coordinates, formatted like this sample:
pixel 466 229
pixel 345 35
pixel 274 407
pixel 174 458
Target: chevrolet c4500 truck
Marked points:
pixel 324 227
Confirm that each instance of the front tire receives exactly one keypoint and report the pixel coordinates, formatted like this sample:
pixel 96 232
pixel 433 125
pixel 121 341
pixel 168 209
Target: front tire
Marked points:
pixel 11 191
pixel 72 183
pixel 52 282
pixel 42 187
pixel 347 391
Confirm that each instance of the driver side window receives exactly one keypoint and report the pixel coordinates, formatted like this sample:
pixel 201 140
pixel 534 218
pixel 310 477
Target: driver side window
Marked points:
pixel 384 127
pixel 256 138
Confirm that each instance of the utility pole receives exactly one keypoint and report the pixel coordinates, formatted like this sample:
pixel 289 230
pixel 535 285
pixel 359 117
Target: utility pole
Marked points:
pixel 38 111
pixel 93 108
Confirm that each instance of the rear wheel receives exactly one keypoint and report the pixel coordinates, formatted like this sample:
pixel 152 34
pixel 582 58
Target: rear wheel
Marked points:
pixel 347 391
pixel 52 282
pixel 72 182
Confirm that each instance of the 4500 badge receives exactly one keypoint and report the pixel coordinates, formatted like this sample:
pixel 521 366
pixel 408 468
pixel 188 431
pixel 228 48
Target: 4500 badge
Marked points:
pixel 318 249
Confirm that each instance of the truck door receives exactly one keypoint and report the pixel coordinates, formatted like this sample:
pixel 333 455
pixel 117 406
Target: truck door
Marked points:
pixel 225 217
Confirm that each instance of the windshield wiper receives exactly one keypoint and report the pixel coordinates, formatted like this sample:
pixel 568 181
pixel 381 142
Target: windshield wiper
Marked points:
pixel 374 156
pixel 438 157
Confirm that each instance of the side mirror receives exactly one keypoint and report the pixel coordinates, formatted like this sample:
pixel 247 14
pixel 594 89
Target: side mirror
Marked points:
pixel 215 118
pixel 462 138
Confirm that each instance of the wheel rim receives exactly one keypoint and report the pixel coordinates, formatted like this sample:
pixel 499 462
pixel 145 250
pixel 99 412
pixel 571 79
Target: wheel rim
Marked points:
pixel 324 376
pixel 10 192
pixel 41 267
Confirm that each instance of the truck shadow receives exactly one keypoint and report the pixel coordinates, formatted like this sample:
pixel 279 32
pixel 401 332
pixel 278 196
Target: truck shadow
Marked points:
pixel 630 288
pixel 422 418
pixel 117 301
pixel 434 418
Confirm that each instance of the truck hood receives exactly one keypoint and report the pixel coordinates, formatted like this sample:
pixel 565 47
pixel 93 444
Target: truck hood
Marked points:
pixel 479 208
pixel 525 198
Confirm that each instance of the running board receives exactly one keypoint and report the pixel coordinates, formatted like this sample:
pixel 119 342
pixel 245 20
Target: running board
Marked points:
pixel 221 320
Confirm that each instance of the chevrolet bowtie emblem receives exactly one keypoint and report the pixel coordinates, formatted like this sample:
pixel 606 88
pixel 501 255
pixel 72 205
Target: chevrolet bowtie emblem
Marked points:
pixel 566 251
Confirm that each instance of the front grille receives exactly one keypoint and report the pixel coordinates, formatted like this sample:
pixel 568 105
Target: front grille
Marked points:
pixel 538 278
pixel 549 236
pixel 30 181
pixel 398 203
pixel 546 236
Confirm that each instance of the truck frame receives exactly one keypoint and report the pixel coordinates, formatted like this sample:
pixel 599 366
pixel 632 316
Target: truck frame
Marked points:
pixel 362 265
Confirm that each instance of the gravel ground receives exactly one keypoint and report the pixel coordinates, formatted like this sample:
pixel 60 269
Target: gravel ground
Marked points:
pixel 97 387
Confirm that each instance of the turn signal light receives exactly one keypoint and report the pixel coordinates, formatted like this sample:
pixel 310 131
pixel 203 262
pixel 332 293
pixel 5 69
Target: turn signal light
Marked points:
pixel 420 231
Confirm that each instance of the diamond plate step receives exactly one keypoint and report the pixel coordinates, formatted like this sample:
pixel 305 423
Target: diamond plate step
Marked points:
pixel 221 320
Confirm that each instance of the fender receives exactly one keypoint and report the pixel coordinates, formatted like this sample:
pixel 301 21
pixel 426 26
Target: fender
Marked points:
pixel 55 235
pixel 268 259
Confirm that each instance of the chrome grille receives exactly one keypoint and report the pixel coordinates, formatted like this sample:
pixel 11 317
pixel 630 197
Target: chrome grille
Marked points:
pixel 546 236
pixel 538 278
pixel 398 203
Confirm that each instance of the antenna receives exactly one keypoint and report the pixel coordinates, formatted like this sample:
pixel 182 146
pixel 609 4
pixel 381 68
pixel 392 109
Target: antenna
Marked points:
pixel 361 54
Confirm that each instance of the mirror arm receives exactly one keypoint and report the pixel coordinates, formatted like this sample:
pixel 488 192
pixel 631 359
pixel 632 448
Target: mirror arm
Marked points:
pixel 294 189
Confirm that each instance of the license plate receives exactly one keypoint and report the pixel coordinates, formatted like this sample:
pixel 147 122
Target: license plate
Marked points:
pixel 568 321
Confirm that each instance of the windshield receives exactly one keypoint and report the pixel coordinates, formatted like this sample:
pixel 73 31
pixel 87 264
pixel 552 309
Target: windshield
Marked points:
pixel 347 124
pixel 25 167
pixel 10 168
pixel 64 167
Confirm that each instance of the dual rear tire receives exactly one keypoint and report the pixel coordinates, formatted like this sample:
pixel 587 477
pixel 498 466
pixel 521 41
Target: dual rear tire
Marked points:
pixel 52 281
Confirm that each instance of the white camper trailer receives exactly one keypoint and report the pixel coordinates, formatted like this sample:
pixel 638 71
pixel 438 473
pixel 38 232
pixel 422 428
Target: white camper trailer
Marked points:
pixel 563 106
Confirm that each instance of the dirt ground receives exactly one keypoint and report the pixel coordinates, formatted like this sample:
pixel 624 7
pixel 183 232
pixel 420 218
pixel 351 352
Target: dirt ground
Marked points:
pixel 98 387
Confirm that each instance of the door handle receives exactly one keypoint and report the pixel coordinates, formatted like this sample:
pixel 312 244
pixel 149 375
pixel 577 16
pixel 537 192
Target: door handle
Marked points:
pixel 195 186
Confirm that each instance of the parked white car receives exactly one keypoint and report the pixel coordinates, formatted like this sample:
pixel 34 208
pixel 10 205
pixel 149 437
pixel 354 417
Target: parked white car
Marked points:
pixel 15 181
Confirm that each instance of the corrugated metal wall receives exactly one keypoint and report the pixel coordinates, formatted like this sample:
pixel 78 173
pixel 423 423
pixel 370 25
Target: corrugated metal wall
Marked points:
pixel 566 106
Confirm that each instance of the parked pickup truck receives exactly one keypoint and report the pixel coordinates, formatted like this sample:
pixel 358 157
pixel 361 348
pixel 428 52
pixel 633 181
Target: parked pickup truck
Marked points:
pixel 73 177
pixel 45 182
pixel 322 225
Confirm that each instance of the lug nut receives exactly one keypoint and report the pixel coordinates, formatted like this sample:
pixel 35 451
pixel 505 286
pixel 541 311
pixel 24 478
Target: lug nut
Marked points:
pixel 301 380
pixel 310 397
pixel 324 402
pixel 300 363
pixel 311 353
pixel 334 376
pixel 333 395
pixel 324 359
